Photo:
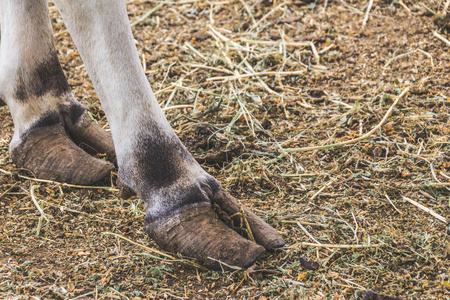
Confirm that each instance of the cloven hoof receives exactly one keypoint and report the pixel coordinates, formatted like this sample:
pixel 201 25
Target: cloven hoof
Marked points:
pixel 237 216
pixel 91 137
pixel 195 231
pixel 50 154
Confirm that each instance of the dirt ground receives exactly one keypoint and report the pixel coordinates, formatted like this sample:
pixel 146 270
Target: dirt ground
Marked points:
pixel 260 82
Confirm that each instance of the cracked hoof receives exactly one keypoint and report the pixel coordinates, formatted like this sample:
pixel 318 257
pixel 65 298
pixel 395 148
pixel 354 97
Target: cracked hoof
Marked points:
pixel 228 209
pixel 50 154
pixel 196 231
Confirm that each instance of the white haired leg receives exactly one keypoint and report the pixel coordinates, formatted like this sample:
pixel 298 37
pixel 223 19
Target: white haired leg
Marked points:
pixel 45 113
pixel 178 193
pixel 147 148
pixel 31 79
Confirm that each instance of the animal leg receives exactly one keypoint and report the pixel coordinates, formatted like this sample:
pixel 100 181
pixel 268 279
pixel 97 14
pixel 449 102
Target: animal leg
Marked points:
pixel 178 193
pixel 49 123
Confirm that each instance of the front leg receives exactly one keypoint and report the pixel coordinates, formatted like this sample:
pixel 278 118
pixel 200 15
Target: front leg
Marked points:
pixel 49 124
pixel 179 195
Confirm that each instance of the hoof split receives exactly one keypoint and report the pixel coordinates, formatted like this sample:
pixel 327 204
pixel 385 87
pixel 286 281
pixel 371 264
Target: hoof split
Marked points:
pixel 49 152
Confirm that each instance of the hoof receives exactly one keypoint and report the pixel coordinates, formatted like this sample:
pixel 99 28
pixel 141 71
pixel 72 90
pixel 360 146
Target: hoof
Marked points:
pixel 50 154
pixel 196 231
pixel 228 208
pixel 91 137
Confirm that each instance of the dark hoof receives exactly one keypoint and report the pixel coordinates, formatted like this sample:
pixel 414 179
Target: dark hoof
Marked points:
pixel 90 137
pixel 196 231
pixel 228 208
pixel 50 154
